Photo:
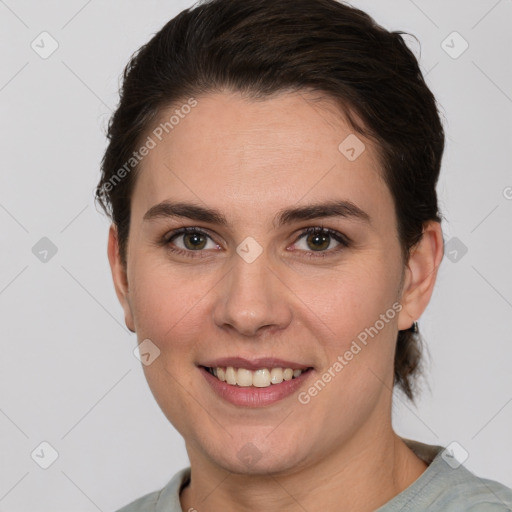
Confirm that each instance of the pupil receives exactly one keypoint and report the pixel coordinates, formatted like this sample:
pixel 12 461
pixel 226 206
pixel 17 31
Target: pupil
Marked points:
pixel 196 237
pixel 319 237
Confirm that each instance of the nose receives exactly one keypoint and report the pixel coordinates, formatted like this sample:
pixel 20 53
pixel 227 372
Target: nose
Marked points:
pixel 252 298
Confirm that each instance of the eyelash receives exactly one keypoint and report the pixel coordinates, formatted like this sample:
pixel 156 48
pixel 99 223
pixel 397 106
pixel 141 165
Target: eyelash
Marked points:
pixel 316 230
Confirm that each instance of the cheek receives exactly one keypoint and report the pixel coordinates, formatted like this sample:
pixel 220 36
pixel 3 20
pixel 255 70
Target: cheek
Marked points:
pixel 169 308
pixel 360 308
pixel 168 305
pixel 354 297
pixel 361 313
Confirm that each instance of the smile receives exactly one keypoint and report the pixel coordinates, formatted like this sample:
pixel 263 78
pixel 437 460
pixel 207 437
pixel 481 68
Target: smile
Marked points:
pixel 254 382
pixel 260 378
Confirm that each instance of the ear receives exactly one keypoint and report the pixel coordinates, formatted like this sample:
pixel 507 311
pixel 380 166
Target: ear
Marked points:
pixel 420 274
pixel 119 276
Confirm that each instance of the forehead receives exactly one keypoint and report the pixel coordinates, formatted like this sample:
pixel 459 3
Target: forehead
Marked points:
pixel 233 151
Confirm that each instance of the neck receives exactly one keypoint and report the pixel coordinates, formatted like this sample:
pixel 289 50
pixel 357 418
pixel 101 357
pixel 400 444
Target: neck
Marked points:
pixel 351 478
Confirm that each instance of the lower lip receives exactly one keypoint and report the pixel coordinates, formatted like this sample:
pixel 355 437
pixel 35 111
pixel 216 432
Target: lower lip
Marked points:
pixel 251 396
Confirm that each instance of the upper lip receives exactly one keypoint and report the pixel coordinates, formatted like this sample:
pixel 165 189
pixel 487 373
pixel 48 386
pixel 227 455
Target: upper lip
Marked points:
pixel 253 364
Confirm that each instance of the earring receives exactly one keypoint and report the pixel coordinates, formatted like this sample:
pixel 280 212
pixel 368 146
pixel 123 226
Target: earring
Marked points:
pixel 413 328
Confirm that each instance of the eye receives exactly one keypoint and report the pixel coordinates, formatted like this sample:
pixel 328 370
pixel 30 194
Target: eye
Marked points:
pixel 188 240
pixel 321 240
pixel 316 242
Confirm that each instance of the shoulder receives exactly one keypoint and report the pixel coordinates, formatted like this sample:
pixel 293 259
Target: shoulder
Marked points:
pixel 448 486
pixel 482 494
pixel 146 503
pixel 167 498
pixel 454 489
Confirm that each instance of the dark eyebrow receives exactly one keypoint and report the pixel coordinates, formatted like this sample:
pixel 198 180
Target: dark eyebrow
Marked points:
pixel 339 208
pixel 187 210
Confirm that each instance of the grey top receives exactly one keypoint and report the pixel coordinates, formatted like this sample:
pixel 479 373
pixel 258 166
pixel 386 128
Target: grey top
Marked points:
pixel 445 486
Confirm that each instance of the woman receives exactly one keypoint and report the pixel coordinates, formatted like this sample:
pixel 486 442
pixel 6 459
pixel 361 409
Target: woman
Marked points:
pixel 271 175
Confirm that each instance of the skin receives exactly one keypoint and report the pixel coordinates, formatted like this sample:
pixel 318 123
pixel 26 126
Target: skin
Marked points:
pixel 249 159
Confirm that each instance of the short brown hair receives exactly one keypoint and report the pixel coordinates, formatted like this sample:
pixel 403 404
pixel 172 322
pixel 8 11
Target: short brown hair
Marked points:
pixel 262 47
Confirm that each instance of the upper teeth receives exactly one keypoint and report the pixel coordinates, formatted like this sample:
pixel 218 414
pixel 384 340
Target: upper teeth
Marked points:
pixel 261 378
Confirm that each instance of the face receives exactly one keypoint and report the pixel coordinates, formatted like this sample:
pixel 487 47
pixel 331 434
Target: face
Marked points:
pixel 269 283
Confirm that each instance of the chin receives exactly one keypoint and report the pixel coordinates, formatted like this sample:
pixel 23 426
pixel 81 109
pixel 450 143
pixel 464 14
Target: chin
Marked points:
pixel 259 459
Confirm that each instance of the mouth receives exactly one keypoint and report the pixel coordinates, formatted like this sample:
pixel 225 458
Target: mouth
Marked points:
pixel 259 378
pixel 255 382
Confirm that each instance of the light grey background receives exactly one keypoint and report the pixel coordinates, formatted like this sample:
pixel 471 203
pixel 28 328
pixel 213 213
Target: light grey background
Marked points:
pixel 68 375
